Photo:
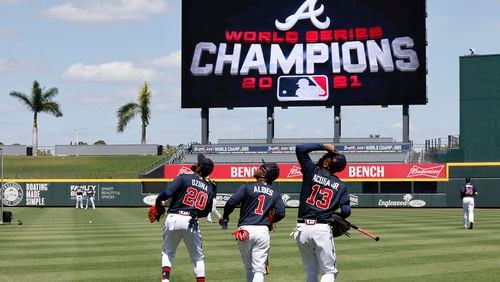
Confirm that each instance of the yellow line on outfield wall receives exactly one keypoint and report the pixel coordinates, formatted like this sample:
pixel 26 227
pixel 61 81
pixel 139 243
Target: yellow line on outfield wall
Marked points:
pixel 136 180
pixel 88 180
pixel 448 165
pixel 475 164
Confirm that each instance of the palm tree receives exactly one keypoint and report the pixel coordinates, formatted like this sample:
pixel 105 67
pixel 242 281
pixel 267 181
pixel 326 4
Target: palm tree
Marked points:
pixel 130 110
pixel 39 101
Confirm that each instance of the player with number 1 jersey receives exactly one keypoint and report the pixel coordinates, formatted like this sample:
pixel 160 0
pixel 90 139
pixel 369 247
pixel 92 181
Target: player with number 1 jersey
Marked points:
pixel 257 200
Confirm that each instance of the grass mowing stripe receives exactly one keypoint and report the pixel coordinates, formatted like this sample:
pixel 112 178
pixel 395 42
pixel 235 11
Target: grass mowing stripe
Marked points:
pixel 404 271
pixel 58 244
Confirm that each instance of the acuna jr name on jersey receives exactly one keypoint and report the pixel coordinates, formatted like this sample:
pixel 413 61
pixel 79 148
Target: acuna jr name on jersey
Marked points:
pixel 325 181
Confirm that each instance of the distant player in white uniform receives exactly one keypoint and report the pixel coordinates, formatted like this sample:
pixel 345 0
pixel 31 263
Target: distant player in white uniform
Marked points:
pixel 467 193
pixel 79 197
pixel 215 211
pixel 90 198
pixel 321 194
pixel 257 200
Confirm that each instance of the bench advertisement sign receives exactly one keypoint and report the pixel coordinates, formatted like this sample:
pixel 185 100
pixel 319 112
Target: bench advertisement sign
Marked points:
pixel 353 172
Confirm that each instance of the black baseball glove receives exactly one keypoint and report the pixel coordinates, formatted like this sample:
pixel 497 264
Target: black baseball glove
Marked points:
pixel 270 220
pixel 339 226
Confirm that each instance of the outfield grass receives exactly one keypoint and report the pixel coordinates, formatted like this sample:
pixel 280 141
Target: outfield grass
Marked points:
pixel 78 167
pixel 59 244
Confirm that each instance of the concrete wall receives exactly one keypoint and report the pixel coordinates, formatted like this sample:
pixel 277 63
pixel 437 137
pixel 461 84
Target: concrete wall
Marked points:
pixel 92 150
pixel 14 150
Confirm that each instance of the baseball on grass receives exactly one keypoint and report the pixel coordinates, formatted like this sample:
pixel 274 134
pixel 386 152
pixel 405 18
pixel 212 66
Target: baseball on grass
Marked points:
pixel 90 221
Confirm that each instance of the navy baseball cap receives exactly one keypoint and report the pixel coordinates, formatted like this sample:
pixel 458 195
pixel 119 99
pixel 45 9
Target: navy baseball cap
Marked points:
pixel 272 171
pixel 206 165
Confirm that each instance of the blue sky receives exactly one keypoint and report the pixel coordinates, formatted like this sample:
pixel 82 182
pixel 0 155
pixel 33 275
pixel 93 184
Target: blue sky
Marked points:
pixel 99 52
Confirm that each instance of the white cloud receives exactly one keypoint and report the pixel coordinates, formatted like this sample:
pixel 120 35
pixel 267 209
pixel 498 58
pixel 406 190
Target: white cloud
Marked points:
pixel 106 10
pixel 94 99
pixel 289 127
pixel 397 125
pixel 110 72
pixel 9 66
pixel 172 60
pixel 11 2
pixel 7 32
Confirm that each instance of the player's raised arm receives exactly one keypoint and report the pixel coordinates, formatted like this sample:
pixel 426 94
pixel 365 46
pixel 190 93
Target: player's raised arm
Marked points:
pixel 302 151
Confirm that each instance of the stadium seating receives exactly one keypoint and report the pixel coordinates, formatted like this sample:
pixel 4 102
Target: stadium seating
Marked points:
pixel 356 150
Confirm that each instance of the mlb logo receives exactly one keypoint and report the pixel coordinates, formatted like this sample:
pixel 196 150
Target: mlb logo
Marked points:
pixel 302 88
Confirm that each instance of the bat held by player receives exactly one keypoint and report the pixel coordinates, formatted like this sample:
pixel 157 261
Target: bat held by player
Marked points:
pixel 367 233
pixel 343 221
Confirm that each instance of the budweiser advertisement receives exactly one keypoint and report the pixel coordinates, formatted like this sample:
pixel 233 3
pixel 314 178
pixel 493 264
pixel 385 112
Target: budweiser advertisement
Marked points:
pixel 353 172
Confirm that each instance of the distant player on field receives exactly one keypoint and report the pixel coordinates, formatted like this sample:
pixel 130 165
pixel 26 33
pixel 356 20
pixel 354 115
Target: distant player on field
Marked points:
pixel 191 196
pixel 258 200
pixel 215 211
pixel 90 197
pixel 321 194
pixel 467 193
pixel 79 197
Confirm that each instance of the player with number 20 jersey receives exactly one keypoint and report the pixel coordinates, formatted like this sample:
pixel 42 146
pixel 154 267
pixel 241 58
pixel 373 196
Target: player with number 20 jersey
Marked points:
pixel 191 198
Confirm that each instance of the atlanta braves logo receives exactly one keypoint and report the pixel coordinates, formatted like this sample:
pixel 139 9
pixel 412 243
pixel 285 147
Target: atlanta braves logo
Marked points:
pixel 305 11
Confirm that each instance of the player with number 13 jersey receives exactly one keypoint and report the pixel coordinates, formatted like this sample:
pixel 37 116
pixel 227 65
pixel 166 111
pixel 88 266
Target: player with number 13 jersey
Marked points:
pixel 322 193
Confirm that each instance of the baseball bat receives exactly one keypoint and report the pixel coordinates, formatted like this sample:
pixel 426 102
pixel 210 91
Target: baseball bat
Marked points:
pixel 367 233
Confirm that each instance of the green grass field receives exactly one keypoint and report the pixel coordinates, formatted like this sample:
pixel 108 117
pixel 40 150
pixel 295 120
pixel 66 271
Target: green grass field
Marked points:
pixel 59 244
pixel 78 167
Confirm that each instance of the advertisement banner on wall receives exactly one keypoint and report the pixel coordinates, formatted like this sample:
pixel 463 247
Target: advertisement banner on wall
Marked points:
pixel 259 53
pixel 353 172
pixel 225 149
pixel 112 194
pixel 40 194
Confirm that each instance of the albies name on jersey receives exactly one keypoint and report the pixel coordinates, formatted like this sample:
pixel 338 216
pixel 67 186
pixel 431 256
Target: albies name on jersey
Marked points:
pixel 263 189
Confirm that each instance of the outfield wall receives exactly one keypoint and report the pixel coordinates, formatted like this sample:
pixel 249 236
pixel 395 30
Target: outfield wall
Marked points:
pixel 135 192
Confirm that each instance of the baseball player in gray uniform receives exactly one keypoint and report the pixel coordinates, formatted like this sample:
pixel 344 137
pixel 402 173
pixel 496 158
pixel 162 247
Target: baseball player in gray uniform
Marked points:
pixel 79 197
pixel 90 198
pixel 257 200
pixel 191 196
pixel 321 194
